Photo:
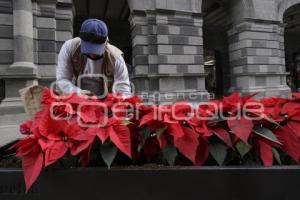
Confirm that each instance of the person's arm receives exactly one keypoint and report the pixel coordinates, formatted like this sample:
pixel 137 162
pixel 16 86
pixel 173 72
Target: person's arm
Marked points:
pixel 121 78
pixel 64 70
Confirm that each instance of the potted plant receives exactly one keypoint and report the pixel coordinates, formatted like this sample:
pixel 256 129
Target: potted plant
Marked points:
pixel 141 140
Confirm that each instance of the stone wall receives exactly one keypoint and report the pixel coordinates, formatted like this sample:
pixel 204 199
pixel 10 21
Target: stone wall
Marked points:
pixel 6 39
pixel 167 47
pixel 256 46
pixel 167 44
pixel 257 58
pixel 168 52
pixel 32 33
pixel 53 25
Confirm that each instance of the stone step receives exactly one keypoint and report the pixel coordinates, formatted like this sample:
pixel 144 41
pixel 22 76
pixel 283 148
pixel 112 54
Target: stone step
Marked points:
pixel 12 119
pixel 9 134
pixel 11 106
pixel 9 127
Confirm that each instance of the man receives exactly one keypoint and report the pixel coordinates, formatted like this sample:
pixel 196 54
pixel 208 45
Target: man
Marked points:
pixel 85 60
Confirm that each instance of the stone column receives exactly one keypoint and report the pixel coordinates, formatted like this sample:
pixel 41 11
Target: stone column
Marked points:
pixel 22 72
pixel 140 51
pixel 168 54
pixel 257 59
pixel 23 38
pixel 53 25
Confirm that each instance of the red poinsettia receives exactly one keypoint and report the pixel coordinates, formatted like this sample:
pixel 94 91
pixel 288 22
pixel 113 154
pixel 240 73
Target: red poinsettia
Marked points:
pixel 172 120
pixel 72 123
pixel 290 141
pixel 114 130
pixel 30 152
pixel 290 112
pixel 69 136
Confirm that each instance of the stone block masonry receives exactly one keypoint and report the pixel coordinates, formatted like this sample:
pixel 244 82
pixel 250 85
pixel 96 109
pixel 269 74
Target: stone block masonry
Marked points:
pixel 168 51
pixel 257 58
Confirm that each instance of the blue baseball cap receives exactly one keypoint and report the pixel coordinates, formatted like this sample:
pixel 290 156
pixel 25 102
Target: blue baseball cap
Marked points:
pixel 93 34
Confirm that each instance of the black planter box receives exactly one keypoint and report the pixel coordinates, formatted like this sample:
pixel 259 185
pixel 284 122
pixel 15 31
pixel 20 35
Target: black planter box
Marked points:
pixel 276 183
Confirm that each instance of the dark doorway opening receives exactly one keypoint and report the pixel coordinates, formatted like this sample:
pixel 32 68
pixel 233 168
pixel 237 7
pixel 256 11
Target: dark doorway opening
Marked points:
pixel 215 39
pixel 291 21
pixel 2 90
pixel 115 13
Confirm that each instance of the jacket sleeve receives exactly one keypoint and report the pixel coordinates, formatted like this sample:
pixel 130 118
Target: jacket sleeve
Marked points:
pixel 121 78
pixel 64 70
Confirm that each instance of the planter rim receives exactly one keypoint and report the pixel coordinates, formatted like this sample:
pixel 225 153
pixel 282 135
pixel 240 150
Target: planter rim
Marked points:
pixel 166 168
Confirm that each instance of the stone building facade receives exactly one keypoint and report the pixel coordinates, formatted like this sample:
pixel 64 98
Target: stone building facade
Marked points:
pixel 253 45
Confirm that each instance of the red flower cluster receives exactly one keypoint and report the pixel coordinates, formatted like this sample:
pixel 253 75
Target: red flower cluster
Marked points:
pixel 234 128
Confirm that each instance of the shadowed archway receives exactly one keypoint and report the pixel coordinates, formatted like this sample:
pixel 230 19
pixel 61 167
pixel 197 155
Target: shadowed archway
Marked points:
pixel 291 19
pixel 215 39
pixel 116 15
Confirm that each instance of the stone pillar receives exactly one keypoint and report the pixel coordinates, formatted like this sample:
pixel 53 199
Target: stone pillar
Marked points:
pixel 23 38
pixel 53 25
pixel 168 55
pixel 256 50
pixel 140 51
pixel 23 71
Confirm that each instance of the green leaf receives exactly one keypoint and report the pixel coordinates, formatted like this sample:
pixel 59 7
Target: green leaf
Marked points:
pixel 270 120
pixel 161 131
pixel 266 133
pixel 108 153
pixel 170 153
pixel 243 148
pixel 218 152
pixel 276 156
pixel 145 134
